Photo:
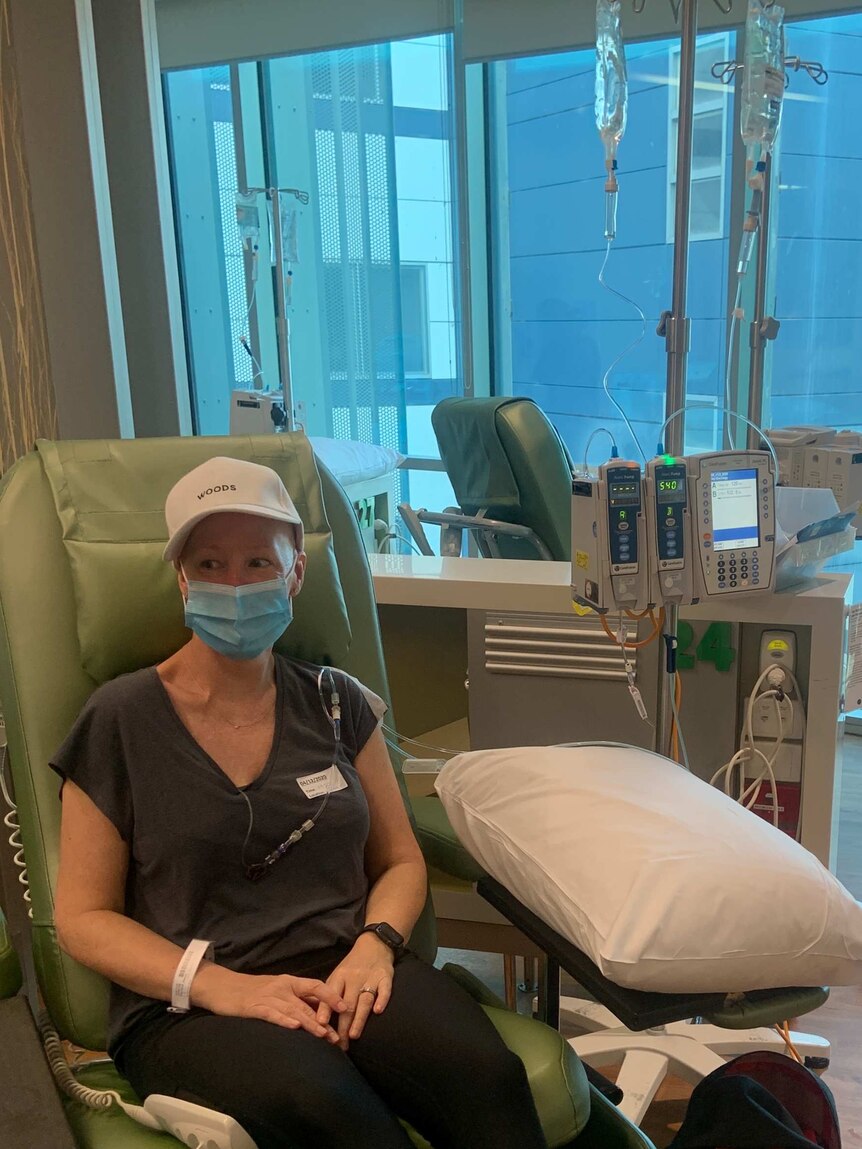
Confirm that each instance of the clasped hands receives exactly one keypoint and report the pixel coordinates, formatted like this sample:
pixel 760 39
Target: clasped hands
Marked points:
pixel 335 1010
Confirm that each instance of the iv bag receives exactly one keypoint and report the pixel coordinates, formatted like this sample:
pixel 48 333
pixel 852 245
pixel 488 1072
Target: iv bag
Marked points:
pixel 289 222
pixel 289 219
pixel 248 218
pixel 611 84
pixel 762 77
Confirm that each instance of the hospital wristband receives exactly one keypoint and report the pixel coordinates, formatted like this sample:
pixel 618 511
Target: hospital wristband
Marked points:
pixel 181 988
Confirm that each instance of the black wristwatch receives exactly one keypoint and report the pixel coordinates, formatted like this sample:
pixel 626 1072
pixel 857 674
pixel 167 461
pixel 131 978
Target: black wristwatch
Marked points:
pixel 387 934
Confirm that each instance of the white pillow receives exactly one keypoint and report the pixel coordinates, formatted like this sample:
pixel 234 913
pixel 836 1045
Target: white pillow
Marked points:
pixel 664 881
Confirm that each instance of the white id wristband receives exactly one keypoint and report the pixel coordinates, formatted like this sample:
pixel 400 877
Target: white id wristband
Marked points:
pixel 181 988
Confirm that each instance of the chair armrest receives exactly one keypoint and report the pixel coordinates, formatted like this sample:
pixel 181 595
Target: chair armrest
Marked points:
pixel 473 985
pixel 439 843
pixel 486 526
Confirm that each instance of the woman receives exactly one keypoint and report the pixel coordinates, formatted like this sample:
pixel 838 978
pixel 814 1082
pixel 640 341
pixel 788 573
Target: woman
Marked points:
pixel 235 797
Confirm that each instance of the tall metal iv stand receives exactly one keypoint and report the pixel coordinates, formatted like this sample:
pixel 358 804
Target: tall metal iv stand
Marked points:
pixel 281 322
pixel 675 327
pixel 763 327
pixel 282 325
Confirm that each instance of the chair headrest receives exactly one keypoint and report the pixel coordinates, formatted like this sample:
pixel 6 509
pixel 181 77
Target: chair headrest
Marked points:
pixel 475 458
pixel 110 498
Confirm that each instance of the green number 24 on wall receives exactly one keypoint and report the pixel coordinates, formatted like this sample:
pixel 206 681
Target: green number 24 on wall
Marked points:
pixel 715 646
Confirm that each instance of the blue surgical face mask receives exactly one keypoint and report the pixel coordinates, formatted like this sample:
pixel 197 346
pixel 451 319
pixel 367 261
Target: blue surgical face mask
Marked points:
pixel 239 621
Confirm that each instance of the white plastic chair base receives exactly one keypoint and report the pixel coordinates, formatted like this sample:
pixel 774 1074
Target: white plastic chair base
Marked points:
pixel 685 1049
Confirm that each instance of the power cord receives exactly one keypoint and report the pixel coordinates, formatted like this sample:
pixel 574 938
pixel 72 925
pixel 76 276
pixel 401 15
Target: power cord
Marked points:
pixel 776 677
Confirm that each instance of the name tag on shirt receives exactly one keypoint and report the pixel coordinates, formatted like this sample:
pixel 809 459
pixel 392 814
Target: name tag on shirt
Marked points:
pixel 316 785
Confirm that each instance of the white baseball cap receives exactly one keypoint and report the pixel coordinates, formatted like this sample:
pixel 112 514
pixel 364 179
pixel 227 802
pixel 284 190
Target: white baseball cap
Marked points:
pixel 222 484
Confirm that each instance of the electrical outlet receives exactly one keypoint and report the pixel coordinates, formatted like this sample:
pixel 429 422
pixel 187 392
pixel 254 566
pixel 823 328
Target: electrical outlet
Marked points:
pixel 764 718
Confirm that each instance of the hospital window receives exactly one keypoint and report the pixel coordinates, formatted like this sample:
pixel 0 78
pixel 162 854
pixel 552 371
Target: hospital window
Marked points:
pixel 414 319
pixel 364 135
pixel 557 329
pixel 709 144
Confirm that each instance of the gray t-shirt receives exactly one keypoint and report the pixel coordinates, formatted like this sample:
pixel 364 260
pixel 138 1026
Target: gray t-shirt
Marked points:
pixel 185 823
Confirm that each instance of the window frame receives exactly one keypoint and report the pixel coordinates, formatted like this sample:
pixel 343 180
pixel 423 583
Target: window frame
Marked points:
pixel 705 105
pixel 423 325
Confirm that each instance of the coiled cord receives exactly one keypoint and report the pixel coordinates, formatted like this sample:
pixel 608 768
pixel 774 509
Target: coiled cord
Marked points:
pixel 66 1080
pixel 10 821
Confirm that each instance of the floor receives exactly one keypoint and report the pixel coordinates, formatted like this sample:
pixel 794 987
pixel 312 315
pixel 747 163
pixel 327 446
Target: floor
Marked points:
pixel 839 1020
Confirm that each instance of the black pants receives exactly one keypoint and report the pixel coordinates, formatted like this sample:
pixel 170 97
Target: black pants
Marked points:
pixel 432 1057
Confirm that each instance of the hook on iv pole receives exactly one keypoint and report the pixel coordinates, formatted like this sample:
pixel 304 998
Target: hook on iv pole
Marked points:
pixel 675 5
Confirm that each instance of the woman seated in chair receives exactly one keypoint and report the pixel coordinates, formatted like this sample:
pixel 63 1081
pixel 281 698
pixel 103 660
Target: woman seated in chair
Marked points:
pixel 235 796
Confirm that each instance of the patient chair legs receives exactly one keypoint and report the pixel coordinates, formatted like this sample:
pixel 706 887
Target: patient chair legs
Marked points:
pixel 688 1050
pixel 529 984
pixel 510 978
pixel 509 981
pixel 647 1059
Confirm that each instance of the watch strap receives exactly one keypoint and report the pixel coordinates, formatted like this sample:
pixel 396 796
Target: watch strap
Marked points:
pixel 374 928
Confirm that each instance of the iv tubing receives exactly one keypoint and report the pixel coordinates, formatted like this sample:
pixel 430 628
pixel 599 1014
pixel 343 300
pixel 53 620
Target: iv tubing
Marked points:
pixel 624 352
pixel 658 623
pixel 599 431
pixel 727 411
pixel 728 367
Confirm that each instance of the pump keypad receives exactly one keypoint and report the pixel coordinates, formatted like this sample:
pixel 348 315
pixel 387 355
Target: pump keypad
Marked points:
pixel 736 568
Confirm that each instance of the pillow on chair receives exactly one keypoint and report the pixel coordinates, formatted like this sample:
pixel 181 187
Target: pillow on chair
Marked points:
pixel 663 881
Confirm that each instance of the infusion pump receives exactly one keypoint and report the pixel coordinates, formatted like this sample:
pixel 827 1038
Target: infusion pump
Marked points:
pixel 683 530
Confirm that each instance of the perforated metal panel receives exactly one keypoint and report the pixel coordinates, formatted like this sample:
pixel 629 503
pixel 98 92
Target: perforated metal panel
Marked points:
pixel 355 200
pixel 224 148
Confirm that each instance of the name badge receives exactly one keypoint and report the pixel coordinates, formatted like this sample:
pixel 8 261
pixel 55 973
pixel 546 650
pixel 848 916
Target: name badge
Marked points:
pixel 316 785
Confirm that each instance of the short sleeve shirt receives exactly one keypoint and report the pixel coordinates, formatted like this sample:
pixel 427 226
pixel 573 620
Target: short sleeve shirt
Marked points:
pixel 192 833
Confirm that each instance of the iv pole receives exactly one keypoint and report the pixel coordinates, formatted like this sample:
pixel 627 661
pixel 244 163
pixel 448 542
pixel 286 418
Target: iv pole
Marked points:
pixel 674 325
pixel 282 326
pixel 763 327
pixel 282 333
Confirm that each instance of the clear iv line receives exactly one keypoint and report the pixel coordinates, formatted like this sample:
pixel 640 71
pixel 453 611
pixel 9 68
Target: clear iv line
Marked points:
pixel 598 431
pixel 624 352
pixel 727 411
pixel 731 343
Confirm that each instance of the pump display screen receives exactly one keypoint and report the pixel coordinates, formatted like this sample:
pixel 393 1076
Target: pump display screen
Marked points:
pixel 734 510
pixel 670 490
pixel 625 494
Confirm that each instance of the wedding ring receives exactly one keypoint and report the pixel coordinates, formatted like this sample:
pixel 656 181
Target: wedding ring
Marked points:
pixel 369 989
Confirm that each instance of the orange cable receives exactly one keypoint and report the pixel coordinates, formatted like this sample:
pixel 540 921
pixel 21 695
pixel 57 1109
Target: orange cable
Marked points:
pixel 657 625
pixel 784 1031
pixel 674 729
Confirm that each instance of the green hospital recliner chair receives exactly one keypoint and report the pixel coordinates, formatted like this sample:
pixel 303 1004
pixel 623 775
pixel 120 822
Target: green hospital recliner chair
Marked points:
pixel 512 478
pixel 85 596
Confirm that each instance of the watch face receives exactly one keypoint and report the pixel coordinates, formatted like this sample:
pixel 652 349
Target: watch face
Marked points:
pixel 389 935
